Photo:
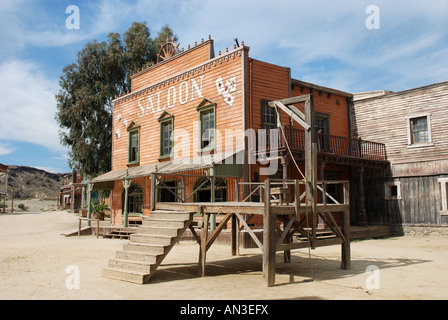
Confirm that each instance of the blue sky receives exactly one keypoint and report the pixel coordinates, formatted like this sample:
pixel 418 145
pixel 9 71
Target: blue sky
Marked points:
pixel 323 42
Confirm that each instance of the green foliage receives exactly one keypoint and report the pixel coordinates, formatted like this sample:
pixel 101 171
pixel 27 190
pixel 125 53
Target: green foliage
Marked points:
pixel 100 207
pixel 84 102
pixel 22 206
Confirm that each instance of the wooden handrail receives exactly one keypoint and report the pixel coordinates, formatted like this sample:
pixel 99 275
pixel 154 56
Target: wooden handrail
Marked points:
pixel 326 143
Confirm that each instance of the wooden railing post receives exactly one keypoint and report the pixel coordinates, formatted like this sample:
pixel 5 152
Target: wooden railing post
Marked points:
pixel 268 238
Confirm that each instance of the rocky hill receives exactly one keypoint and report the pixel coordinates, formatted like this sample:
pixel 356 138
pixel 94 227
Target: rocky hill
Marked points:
pixel 32 183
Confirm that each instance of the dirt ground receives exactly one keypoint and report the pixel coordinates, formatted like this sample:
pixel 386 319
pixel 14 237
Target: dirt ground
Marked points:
pixel 37 262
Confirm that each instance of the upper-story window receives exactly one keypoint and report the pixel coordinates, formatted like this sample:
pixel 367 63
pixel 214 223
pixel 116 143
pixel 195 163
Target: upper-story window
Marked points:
pixel 134 143
pixel 419 130
pixel 207 120
pixel 166 130
pixel 268 116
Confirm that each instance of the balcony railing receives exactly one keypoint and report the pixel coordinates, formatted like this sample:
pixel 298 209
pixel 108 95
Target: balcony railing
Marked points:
pixel 326 143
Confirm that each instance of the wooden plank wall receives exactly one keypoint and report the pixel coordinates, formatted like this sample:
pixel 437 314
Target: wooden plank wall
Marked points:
pixel 183 61
pixel 383 119
pixel 420 202
pixel 334 105
pixel 228 117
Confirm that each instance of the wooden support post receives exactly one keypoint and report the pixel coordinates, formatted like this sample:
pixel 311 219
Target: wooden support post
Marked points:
pixel 203 244
pixel 152 199
pixel 345 250
pixel 89 202
pixel 269 245
pixel 362 206
pixel 126 185
pixel 235 236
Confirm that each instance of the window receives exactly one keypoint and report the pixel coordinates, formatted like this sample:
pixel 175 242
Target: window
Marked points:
pixel 392 190
pixel 166 130
pixel 444 195
pixel 207 119
pixel 134 143
pixel 135 200
pixel 268 116
pixel 419 130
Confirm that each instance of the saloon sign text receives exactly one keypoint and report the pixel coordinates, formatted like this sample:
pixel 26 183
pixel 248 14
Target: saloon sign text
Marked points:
pixel 161 100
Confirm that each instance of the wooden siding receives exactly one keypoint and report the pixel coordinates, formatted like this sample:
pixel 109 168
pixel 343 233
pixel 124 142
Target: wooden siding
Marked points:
pixel 384 119
pixel 183 61
pixel 137 107
pixel 419 204
pixel 328 103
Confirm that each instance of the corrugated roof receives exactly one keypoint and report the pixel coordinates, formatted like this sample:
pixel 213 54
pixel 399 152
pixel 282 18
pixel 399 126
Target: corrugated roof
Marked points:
pixel 200 162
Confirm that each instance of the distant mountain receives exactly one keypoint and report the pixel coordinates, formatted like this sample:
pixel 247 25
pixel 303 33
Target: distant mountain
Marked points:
pixel 33 183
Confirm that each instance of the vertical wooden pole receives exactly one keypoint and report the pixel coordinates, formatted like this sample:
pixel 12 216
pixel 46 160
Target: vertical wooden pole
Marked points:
pixel 311 166
pixel 362 205
pixel 345 250
pixel 126 185
pixel 152 200
pixel 89 203
pixel 268 238
pixel 235 236
pixel 203 244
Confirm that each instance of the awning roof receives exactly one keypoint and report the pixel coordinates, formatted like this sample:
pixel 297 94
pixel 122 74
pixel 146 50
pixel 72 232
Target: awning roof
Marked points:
pixel 201 162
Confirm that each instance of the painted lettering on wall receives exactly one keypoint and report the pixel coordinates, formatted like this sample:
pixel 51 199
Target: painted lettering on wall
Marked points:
pixel 167 99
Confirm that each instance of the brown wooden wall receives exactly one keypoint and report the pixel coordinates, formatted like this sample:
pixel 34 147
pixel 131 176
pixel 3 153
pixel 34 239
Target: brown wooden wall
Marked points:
pixel 183 61
pixel 383 119
pixel 133 107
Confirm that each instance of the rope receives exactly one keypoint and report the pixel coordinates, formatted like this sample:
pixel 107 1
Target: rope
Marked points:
pixel 304 178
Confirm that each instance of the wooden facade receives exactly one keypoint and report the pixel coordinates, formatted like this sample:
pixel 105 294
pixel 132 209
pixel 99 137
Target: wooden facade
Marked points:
pixel 411 124
pixel 236 89
pixel 3 185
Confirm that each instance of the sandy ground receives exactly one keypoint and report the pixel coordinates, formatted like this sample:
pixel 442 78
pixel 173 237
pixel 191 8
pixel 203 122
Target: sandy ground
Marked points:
pixel 37 262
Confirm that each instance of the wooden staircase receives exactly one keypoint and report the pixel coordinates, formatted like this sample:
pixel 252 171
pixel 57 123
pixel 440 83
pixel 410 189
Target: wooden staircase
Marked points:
pixel 148 246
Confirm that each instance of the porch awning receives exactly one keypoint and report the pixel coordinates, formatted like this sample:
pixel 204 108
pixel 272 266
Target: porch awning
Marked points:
pixel 179 165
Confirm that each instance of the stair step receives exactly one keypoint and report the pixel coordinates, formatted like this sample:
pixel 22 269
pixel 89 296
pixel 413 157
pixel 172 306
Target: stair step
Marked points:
pixel 151 238
pixel 136 256
pixel 164 223
pixel 139 266
pixel 158 230
pixel 174 215
pixel 125 275
pixel 154 249
pixel 148 246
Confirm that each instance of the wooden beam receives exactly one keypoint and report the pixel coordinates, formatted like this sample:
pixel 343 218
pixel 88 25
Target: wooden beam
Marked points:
pixel 268 239
pixel 251 233
pixel 218 230
pixel 235 236
pixel 203 244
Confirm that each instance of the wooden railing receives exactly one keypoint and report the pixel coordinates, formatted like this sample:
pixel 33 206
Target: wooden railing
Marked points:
pixel 326 143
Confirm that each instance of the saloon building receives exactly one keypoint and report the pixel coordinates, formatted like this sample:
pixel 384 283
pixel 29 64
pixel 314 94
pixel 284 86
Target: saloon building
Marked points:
pixel 199 113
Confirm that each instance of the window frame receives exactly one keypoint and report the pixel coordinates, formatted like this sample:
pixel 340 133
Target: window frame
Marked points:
pixel 263 107
pixel 164 120
pixel 388 190
pixel 133 129
pixel 410 131
pixel 444 195
pixel 202 109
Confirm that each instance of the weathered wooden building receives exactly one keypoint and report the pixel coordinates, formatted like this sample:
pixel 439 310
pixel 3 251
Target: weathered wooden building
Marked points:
pixel 200 113
pixel 204 133
pixel 412 191
pixel 3 185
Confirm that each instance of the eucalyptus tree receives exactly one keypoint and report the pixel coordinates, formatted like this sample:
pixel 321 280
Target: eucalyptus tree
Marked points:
pixel 87 87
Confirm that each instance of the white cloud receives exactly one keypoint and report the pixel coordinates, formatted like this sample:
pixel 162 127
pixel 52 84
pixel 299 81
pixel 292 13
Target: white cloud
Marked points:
pixel 28 105
pixel 6 148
